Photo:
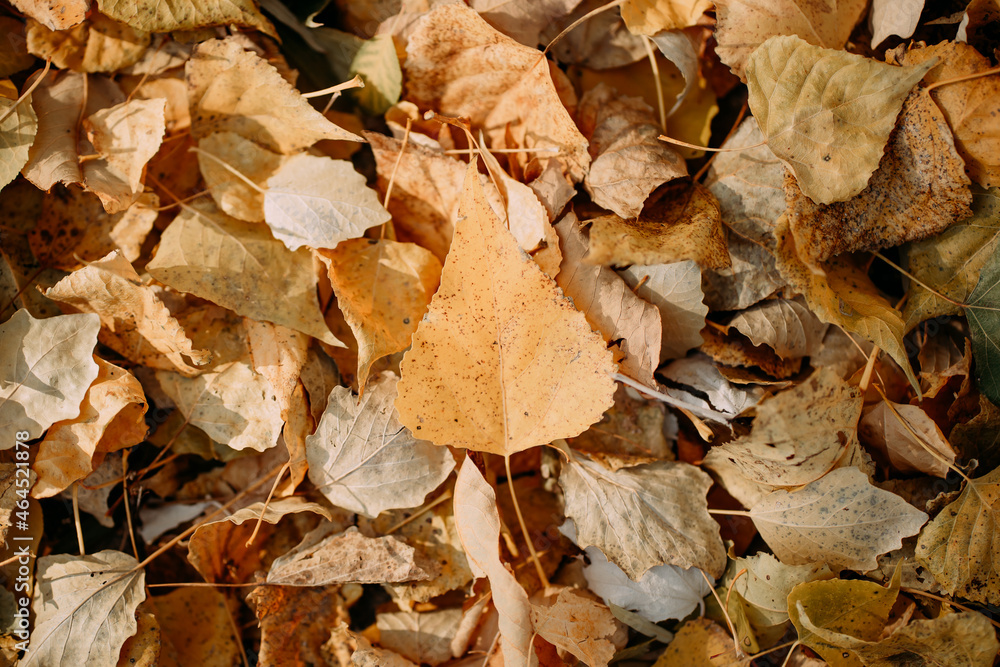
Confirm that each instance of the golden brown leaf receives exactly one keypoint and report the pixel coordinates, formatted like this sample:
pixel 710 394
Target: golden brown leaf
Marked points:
pixel 826 114
pixel 98 44
pixel 231 193
pixel 787 326
pixel 919 189
pixel 629 161
pixel 648 17
pixel 700 643
pixel 675 290
pixel 626 321
pixel 458 65
pixel 240 266
pixel 959 545
pixel 746 24
pixel 111 418
pixel 684 224
pixel 135 322
pixel 502 361
pixel 383 288
pixel 967 105
pixel 170 15
pixel 224 82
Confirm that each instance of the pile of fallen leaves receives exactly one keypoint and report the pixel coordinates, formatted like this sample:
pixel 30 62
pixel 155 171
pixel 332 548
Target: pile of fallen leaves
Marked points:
pixel 483 356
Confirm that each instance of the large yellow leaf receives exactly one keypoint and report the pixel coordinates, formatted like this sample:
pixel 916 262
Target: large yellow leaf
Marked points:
pixel 502 361
pixel 961 546
pixel 826 114
pixel 242 267
pixel 169 15
pixel 383 288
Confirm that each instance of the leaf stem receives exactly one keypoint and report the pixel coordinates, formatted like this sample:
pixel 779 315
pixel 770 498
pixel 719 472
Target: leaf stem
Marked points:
pixel 647 42
pixel 524 528
pixel 959 79
pixel 76 520
pixel 678 142
pixel 356 82
pixel 26 93
pixel 670 400
pixel 586 17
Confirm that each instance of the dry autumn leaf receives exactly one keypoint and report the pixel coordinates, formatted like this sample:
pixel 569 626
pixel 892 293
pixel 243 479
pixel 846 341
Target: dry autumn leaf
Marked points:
pixel 868 521
pixel 84 608
pixel 684 224
pixel 648 17
pixel 360 448
pixel 347 557
pixel 233 195
pixel 46 368
pixel 171 15
pixel 784 325
pixel 233 404
pixel 383 288
pixel 803 432
pixel 950 263
pixel 134 320
pixel 17 132
pixel 242 267
pixel 826 114
pixel 966 104
pixel 111 418
pixel 459 65
pixel 907 437
pixel 958 545
pixel 610 306
pixel 576 624
pixel 318 202
pixel 919 190
pixel 664 501
pixel 222 82
pixel 502 361
pixel 746 24
pixel 55 17
pixel 629 162
pixel 98 44
pixel 857 609
pixel 675 289
pixel 479 529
